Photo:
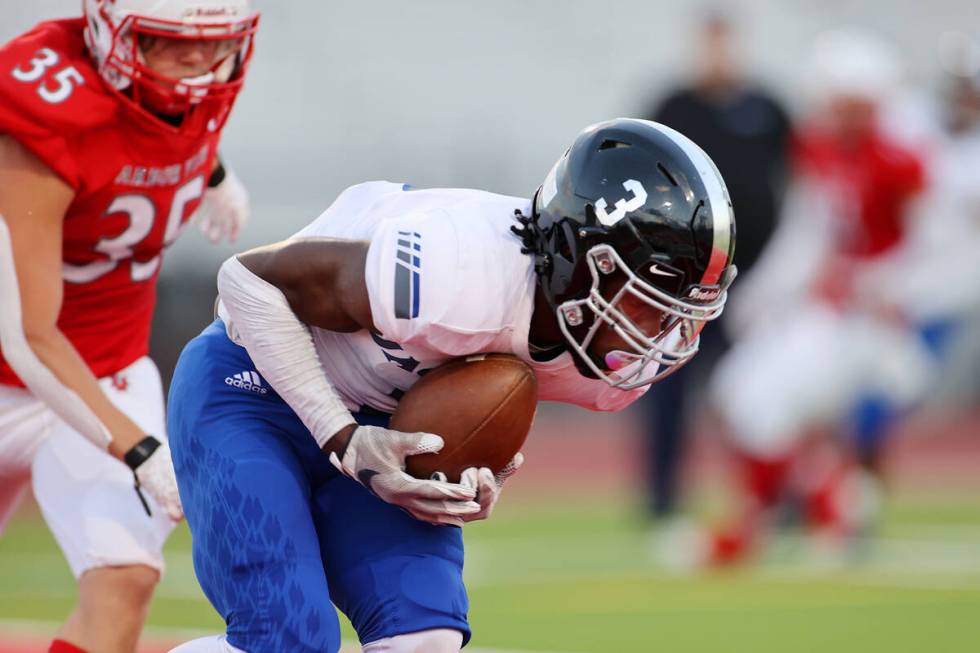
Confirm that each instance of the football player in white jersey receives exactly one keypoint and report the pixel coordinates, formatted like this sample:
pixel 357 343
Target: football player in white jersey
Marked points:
pixel 602 283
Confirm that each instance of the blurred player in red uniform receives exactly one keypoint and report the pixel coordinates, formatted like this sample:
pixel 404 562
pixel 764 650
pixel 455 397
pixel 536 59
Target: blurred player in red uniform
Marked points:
pixel 109 128
pixel 817 332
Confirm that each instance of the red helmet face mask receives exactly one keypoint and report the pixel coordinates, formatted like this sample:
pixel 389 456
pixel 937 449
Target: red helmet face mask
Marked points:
pixel 130 46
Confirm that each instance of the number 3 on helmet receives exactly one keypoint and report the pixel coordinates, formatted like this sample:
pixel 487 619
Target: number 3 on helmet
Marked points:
pixel 637 199
pixel 117 30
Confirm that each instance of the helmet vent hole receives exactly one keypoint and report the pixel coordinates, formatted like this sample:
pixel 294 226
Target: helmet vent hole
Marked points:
pixel 667 174
pixel 612 144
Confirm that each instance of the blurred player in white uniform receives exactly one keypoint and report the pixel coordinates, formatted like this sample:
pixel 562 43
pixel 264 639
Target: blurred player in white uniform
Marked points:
pixel 945 236
pixel 817 333
pixel 602 283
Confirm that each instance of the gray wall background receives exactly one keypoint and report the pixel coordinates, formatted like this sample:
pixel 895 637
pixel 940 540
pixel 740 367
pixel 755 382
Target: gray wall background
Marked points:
pixel 467 93
pixel 487 94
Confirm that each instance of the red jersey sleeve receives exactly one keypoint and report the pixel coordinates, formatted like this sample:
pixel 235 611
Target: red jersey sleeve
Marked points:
pixel 50 93
pixel 904 169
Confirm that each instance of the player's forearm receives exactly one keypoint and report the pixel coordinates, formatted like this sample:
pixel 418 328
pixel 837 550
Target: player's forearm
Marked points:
pixel 282 348
pixel 48 364
pixel 56 353
pixel 54 372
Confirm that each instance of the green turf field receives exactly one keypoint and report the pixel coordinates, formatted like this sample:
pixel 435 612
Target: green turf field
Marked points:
pixel 579 578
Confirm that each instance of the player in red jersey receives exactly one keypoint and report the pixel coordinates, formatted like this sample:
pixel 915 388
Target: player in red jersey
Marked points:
pixel 819 333
pixel 109 128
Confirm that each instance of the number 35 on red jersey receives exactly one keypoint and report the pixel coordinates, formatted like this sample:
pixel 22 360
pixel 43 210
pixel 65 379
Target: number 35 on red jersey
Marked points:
pixel 137 182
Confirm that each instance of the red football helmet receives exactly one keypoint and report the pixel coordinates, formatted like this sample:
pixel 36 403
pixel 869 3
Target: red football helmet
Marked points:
pixel 118 31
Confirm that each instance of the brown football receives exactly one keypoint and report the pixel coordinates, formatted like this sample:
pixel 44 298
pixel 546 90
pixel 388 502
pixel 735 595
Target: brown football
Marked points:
pixel 482 406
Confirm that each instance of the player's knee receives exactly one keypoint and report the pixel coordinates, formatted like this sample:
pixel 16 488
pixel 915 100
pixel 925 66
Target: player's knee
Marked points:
pixel 131 586
pixel 441 640
pixel 213 644
pixel 137 583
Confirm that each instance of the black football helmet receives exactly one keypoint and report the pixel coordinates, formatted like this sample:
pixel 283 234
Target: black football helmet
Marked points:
pixel 639 198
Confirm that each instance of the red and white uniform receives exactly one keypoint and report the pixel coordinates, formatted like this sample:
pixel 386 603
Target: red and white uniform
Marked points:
pixel 874 178
pixel 867 186
pixel 137 182
pixel 818 331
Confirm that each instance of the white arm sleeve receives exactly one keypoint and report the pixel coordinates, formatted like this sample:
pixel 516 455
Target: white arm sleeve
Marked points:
pixel 22 359
pixel 282 349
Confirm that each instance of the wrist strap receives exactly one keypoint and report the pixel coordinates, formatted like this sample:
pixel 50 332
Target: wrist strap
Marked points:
pixel 136 457
pixel 140 452
pixel 217 175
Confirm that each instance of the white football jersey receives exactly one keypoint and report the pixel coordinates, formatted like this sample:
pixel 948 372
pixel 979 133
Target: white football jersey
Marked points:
pixel 446 278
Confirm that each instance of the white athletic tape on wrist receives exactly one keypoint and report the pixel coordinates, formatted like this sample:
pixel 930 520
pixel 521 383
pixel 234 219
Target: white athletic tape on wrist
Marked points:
pixel 32 371
pixel 282 349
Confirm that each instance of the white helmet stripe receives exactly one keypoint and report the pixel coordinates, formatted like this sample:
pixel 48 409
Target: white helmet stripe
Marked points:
pixel 719 203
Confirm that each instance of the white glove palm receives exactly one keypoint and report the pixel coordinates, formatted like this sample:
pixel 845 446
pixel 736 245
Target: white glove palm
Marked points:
pixel 156 477
pixel 375 458
pixel 224 211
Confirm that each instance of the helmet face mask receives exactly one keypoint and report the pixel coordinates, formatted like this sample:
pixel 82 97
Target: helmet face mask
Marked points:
pixel 647 357
pixel 118 32
pixel 632 198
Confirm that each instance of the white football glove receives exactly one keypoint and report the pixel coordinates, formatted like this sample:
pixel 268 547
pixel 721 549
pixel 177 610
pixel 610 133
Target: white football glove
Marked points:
pixel 153 471
pixel 375 458
pixel 224 210
pixel 488 486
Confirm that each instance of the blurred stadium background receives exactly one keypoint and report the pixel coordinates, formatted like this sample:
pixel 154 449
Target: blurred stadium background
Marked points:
pixel 456 93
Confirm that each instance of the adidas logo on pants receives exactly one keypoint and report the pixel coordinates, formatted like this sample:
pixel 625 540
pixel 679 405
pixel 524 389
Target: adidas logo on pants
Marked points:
pixel 250 381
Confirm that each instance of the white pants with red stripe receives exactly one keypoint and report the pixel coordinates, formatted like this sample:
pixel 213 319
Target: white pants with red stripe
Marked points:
pixel 808 370
pixel 86 495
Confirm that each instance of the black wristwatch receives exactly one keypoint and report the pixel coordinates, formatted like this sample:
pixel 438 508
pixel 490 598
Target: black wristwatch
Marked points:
pixel 135 457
